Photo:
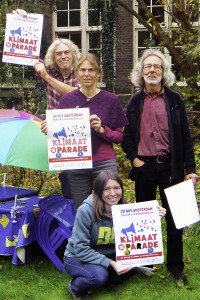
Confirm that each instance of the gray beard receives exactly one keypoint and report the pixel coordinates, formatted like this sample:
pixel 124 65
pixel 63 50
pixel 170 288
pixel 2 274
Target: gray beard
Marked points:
pixel 153 83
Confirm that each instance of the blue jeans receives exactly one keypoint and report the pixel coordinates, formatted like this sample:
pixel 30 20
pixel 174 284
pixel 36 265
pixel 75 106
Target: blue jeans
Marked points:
pixel 88 276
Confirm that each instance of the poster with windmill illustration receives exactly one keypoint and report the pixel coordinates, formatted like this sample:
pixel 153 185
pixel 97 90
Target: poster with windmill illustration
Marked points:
pixel 69 139
pixel 138 235
pixel 22 40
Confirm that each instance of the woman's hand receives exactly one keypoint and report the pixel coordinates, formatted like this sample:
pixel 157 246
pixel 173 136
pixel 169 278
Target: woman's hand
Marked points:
pixel 95 122
pixel 162 211
pixel 113 264
pixel 44 127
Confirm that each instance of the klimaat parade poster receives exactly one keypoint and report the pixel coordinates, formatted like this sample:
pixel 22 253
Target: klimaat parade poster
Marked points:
pixel 22 40
pixel 138 235
pixel 69 139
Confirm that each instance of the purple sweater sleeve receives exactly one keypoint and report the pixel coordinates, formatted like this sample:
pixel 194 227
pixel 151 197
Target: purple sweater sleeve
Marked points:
pixel 112 136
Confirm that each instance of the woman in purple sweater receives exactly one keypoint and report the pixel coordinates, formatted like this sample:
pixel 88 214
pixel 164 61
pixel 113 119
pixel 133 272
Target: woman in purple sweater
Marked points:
pixel 107 119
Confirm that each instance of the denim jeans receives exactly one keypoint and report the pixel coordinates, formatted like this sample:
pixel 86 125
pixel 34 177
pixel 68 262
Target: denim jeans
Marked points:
pixel 87 276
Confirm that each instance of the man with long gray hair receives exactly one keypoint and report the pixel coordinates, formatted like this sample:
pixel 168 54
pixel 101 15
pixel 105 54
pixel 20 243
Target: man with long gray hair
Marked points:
pixel 57 71
pixel 158 143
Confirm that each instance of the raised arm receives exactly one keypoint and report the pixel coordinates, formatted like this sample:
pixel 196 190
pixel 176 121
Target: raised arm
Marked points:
pixel 59 86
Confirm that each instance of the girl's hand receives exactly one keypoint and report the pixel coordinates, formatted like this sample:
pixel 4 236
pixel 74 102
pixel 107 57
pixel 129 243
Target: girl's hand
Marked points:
pixel 113 264
pixel 95 122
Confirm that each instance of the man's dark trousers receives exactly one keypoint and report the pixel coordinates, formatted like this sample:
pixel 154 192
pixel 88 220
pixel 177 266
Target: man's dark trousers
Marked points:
pixel 147 178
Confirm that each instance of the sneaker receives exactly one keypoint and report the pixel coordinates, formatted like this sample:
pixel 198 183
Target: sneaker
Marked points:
pixel 74 296
pixel 180 277
pixel 145 271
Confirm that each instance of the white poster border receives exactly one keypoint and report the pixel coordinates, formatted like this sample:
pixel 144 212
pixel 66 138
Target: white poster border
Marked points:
pixel 138 234
pixel 22 41
pixel 69 139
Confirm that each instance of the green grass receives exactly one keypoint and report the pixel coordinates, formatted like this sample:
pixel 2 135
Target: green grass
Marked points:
pixel 41 280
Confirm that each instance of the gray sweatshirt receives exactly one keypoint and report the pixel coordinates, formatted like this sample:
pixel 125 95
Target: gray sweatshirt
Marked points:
pixel 91 242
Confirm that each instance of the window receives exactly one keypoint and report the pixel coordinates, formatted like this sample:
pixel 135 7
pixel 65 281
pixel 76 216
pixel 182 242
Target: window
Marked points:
pixel 166 15
pixel 156 8
pixel 68 13
pixel 140 33
pixel 78 21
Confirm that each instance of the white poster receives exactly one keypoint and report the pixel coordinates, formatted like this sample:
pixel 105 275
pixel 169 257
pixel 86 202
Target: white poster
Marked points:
pixel 138 234
pixel 69 139
pixel 183 204
pixel 22 39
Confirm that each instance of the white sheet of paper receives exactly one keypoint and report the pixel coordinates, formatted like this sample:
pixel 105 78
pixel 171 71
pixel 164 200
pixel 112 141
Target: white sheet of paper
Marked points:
pixel 183 204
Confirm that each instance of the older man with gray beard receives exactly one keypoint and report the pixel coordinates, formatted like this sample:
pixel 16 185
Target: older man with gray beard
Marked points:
pixel 158 143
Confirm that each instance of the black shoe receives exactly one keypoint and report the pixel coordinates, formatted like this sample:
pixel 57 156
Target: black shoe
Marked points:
pixel 180 277
pixel 74 296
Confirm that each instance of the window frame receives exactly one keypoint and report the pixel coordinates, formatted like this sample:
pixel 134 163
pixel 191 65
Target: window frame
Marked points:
pixel 167 22
pixel 84 29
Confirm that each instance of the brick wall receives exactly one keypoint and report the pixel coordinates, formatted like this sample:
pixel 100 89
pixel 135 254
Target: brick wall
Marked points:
pixel 124 53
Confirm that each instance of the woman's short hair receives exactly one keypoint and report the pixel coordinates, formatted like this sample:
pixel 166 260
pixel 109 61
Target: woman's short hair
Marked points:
pixel 98 187
pixel 50 55
pixel 94 61
pixel 136 74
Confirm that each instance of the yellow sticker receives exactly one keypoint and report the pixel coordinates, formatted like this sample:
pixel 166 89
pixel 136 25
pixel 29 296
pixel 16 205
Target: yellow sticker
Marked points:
pixel 25 230
pixel 11 241
pixel 4 221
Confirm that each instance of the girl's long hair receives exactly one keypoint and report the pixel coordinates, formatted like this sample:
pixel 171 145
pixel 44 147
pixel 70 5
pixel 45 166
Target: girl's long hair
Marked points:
pixel 99 184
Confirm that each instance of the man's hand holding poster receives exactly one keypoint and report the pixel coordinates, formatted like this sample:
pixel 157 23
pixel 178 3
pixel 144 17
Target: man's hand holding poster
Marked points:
pixel 69 139
pixel 22 39
pixel 138 234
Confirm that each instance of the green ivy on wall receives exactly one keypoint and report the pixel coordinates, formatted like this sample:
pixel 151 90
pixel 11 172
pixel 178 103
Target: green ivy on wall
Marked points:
pixel 108 12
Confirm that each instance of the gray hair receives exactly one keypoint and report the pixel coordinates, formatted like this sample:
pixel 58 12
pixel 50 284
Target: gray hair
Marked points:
pixel 136 74
pixel 50 55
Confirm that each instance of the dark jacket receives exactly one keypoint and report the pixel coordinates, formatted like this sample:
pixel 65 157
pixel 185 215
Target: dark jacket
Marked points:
pixel 181 145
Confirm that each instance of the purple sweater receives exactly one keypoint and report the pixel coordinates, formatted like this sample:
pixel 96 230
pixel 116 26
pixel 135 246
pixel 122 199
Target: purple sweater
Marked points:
pixel 108 108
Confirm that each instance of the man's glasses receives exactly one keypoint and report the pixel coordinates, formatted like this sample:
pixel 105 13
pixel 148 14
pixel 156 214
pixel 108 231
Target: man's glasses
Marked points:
pixel 149 66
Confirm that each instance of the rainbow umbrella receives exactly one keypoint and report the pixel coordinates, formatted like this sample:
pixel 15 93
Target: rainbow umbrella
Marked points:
pixel 22 144
pixel 13 113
